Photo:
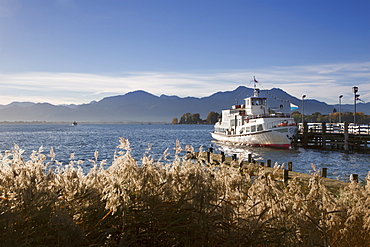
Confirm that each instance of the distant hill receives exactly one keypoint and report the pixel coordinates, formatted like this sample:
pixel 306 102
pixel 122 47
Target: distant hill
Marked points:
pixel 141 106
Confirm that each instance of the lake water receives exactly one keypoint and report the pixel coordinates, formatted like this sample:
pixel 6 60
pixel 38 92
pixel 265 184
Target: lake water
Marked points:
pixel 84 139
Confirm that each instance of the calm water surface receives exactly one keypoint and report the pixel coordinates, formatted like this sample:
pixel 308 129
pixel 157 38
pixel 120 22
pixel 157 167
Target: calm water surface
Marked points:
pixel 84 139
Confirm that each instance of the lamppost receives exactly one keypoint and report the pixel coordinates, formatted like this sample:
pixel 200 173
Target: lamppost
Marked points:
pixel 303 96
pixel 340 108
pixel 355 90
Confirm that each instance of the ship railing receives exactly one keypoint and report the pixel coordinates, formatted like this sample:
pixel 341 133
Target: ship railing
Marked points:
pixel 276 124
pixel 282 115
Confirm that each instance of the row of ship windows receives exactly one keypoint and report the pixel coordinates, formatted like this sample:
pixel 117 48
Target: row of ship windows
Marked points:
pixel 253 128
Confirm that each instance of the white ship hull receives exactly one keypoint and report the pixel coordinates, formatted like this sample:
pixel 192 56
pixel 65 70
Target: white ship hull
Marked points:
pixel 280 137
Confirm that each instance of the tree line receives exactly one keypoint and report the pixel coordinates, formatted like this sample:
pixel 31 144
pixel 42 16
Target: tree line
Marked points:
pixel 189 118
pixel 334 117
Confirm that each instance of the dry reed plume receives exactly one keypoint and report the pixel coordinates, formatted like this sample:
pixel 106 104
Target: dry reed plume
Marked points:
pixel 162 203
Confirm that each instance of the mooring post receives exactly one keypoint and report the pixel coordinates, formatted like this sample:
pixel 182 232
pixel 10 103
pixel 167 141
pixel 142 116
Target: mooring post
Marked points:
pixel 249 158
pixel 324 172
pixel 268 163
pixel 209 157
pixel 354 178
pixel 323 135
pixel 285 176
pixel 346 138
pixel 290 166
pixel 233 157
pixel 222 157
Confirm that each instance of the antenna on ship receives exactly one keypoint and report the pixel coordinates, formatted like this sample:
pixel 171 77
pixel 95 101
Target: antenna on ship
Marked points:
pixel 256 91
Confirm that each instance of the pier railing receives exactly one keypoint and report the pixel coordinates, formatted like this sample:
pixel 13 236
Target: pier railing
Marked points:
pixel 335 135
pixel 362 129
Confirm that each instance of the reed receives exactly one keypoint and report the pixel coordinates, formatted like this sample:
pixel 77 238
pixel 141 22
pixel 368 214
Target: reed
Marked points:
pixel 170 203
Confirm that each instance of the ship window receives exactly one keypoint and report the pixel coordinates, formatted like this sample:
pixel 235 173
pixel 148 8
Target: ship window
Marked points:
pixel 259 101
pixel 253 128
pixel 247 129
pixel 255 101
pixel 259 127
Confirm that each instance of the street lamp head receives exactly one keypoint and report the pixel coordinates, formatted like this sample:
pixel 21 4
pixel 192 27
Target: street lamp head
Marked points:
pixel 341 96
pixel 303 96
pixel 355 89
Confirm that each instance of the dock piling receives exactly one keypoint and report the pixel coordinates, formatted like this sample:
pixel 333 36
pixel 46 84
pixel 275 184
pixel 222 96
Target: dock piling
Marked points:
pixel 324 172
pixel 268 163
pixel 222 157
pixel 285 176
pixel 290 166
pixel 354 178
pixel 234 157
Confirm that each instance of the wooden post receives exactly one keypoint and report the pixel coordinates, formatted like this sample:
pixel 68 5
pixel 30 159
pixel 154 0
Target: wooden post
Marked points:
pixel 324 172
pixel 249 158
pixel 290 166
pixel 285 176
pixel 354 178
pixel 210 150
pixel 305 135
pixel 346 146
pixel 222 157
pixel 295 141
pixel 323 135
pixel 268 163
pixel 233 157
pixel 262 163
pixel 208 157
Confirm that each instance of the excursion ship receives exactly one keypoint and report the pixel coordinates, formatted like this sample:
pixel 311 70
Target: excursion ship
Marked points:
pixel 255 124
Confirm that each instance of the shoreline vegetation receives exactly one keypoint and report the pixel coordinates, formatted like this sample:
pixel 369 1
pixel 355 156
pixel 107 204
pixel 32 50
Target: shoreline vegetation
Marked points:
pixel 176 202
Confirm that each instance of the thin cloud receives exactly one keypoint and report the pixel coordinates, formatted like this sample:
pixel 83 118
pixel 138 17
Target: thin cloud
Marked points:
pixel 321 82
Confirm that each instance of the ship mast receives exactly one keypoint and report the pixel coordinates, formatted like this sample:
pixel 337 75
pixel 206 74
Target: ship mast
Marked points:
pixel 256 91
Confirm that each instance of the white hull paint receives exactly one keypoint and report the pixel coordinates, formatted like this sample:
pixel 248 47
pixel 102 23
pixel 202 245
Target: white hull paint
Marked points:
pixel 280 137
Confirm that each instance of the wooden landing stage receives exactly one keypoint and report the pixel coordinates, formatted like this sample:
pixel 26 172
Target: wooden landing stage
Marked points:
pixel 252 167
pixel 343 136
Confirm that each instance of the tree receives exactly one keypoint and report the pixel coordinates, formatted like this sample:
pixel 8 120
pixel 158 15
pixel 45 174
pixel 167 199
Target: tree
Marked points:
pixel 297 116
pixel 186 118
pixel 195 119
pixel 175 120
pixel 212 117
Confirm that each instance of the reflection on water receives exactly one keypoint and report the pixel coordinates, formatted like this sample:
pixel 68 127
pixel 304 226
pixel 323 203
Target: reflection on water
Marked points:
pixel 339 164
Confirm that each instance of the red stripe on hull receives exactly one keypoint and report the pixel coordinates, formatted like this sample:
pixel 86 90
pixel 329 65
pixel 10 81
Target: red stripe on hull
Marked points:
pixel 272 145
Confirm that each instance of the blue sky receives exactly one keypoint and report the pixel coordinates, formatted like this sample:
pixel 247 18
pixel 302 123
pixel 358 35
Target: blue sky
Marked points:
pixel 76 51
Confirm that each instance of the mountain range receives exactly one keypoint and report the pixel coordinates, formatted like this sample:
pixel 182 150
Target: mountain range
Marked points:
pixel 141 106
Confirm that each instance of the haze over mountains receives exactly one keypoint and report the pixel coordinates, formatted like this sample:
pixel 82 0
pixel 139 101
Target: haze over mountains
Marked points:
pixel 141 106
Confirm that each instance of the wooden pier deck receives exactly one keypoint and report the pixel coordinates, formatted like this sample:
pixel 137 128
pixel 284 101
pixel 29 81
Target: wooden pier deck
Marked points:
pixel 343 136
